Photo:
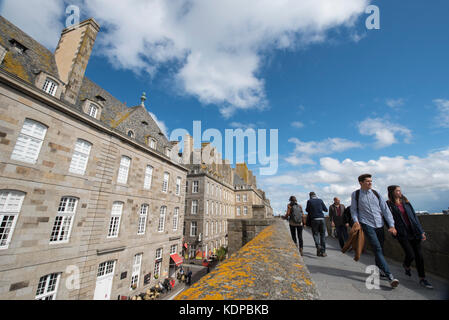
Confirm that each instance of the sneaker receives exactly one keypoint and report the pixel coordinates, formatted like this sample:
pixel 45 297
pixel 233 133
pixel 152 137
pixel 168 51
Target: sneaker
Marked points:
pixel 425 283
pixel 323 254
pixel 301 252
pixel 318 252
pixel 394 283
pixel 408 271
pixel 382 274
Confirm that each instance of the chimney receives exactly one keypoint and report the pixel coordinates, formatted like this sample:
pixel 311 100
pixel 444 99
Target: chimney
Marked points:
pixel 72 55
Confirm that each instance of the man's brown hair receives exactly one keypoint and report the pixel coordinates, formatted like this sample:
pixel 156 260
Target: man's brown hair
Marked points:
pixel 364 176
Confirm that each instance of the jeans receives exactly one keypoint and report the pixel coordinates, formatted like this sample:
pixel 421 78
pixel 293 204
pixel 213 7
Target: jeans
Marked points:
pixel 293 230
pixel 376 237
pixel 319 234
pixel 412 249
pixel 342 234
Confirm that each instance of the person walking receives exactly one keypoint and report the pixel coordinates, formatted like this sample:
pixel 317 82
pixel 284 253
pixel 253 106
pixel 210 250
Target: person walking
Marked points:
pixel 295 216
pixel 368 210
pixel 410 233
pixel 336 216
pixel 189 277
pixel 315 208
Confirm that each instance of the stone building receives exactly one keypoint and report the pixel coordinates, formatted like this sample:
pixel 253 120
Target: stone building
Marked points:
pixel 215 194
pixel 91 200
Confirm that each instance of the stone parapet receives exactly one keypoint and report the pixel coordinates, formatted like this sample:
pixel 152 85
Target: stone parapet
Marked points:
pixel 267 268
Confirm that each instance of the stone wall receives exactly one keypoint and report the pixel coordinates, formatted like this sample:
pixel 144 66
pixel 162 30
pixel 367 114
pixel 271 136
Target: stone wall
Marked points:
pixel 435 248
pixel 267 268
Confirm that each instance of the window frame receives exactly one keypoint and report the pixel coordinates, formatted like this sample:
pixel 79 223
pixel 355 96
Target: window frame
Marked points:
pixel 64 215
pixel 143 217
pixel 114 214
pixel 4 212
pixel 28 138
pixel 78 151
pixel 47 280
pixel 122 177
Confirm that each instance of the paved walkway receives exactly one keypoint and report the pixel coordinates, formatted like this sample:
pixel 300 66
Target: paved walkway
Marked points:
pixel 339 277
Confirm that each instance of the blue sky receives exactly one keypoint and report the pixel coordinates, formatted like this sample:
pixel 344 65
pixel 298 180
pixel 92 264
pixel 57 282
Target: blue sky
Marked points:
pixel 346 100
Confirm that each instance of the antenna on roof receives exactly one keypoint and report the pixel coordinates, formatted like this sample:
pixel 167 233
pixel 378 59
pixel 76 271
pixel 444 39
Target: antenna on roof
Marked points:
pixel 143 98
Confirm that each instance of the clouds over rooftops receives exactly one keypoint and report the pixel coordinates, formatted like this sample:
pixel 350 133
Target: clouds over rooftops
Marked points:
pixel 218 46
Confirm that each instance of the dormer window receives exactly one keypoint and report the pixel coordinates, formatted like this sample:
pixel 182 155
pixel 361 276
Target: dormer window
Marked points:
pixel 167 152
pixel 131 134
pixel 50 87
pixel 152 143
pixel 20 48
pixel 93 111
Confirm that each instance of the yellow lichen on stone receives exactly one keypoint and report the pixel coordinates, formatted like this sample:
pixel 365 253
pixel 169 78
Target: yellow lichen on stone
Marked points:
pixel 14 66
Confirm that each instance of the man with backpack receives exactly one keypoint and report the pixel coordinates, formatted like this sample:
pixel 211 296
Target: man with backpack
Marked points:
pixel 315 208
pixel 368 211
pixel 295 216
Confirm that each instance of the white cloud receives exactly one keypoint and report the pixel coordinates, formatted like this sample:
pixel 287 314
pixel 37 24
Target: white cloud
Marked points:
pixel 40 19
pixel 443 116
pixel 395 103
pixel 425 180
pixel 217 46
pixel 297 124
pixel 328 146
pixel 384 131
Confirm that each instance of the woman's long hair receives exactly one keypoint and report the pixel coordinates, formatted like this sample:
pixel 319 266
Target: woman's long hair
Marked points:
pixel 391 197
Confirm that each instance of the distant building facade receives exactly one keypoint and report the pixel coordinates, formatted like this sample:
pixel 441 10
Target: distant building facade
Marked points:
pixel 215 194
pixel 91 201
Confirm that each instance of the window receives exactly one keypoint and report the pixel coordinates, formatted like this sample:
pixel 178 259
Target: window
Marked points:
pixel 106 268
pixel 93 111
pixel 50 87
pixel 192 251
pixel 80 157
pixel 143 214
pixel 173 249
pixel 216 227
pixel 193 228
pixel 29 142
pixel 47 287
pixel 158 263
pixel 238 211
pixel 187 187
pixel 245 198
pixel 207 188
pixel 10 206
pixel 178 186
pixel 207 229
pixel 114 223
pixel 176 219
pixel 148 178
pixel 237 198
pixel 194 206
pixel 131 134
pixel 64 220
pixel 124 170
pixel 152 144
pixel 167 152
pixel 161 226
pixel 136 271
pixel 207 207
pixel 245 211
pixel 195 187
pixel 165 183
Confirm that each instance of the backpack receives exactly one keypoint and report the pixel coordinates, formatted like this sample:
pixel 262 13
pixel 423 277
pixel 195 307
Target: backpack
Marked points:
pixel 296 214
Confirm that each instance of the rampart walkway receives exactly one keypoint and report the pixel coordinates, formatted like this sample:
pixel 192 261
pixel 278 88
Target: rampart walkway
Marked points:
pixel 339 277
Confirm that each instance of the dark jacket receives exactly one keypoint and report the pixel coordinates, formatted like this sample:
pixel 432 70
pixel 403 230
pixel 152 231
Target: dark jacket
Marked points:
pixel 400 225
pixel 315 208
pixel 338 220
pixel 347 218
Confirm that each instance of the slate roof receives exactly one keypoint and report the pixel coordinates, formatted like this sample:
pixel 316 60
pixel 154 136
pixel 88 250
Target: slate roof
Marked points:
pixel 115 114
pixel 35 59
